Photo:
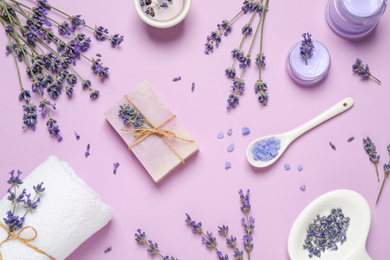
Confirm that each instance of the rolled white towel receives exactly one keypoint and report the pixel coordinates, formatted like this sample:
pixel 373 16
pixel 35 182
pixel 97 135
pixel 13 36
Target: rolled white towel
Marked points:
pixel 68 214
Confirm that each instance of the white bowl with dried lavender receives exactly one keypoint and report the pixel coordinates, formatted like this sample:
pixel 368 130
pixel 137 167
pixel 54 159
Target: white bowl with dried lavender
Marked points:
pixel 334 226
pixel 162 13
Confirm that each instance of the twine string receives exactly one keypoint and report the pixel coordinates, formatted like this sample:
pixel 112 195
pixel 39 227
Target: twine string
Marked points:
pixel 25 241
pixel 163 133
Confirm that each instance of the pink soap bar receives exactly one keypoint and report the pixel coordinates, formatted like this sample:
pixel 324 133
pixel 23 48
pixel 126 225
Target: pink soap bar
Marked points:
pixel 153 152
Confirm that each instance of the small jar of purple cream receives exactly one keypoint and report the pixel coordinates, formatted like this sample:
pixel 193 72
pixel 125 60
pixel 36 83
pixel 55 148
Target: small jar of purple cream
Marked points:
pixel 353 19
pixel 308 71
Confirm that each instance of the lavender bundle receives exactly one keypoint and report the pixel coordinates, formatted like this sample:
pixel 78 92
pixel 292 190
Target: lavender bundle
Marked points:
pixel 238 87
pixel 49 58
pixel 211 242
pixel 152 247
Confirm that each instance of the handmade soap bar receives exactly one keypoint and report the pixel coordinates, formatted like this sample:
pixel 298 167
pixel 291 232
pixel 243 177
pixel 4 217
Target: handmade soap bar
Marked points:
pixel 153 152
pixel 68 214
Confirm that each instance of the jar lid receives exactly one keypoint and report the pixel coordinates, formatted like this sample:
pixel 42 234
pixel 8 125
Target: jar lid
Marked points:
pixel 317 66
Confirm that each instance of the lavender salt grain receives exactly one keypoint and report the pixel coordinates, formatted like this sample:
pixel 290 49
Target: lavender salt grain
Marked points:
pixel 230 147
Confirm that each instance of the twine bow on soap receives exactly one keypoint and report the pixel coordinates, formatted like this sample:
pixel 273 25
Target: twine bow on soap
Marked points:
pixel 25 241
pixel 145 132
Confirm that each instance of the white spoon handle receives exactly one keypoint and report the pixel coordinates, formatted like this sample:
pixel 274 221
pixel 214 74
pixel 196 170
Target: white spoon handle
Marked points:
pixel 340 107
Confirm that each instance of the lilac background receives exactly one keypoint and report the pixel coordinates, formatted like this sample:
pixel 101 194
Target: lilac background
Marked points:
pixel 203 188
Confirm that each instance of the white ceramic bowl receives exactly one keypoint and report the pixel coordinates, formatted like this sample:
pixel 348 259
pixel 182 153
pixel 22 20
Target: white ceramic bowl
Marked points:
pixel 163 24
pixel 353 206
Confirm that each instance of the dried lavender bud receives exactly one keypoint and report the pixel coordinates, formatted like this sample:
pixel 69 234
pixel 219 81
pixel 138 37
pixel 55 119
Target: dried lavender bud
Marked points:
pixel 332 145
pixel 108 250
pixel 350 139
pixel 326 232
pixel 176 79
pixel 77 135
pixel 193 87
pixel 87 151
pixel 116 165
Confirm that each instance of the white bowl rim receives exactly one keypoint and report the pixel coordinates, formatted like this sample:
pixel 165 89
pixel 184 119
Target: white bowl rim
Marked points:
pixel 163 24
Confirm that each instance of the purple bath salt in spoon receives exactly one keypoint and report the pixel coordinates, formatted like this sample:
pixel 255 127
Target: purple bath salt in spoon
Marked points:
pixel 287 138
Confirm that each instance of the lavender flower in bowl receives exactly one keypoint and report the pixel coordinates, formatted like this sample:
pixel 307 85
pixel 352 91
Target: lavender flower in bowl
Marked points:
pixel 162 13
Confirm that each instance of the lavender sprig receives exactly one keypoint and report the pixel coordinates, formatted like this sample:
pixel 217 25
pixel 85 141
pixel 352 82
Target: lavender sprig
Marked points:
pixel 247 222
pixel 230 241
pixel 386 168
pixel 371 151
pixel 153 249
pixel 363 70
pixel 13 221
pixel 307 47
pixel 207 239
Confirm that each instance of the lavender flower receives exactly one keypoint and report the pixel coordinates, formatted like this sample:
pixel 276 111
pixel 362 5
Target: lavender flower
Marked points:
pixel 24 94
pixel 86 84
pixel 116 40
pixel 249 5
pixel 225 27
pixel 54 129
pixel 30 115
pixel 230 72
pixel 371 151
pixel 152 247
pixel 307 47
pixel 209 240
pixel 221 257
pixel 238 53
pixel 130 115
pixel 100 33
pixel 224 230
pixel 76 21
pixel 64 28
pixel 93 93
pixel 39 188
pixel 87 151
pixel 233 101
pixel 15 181
pixel 260 59
pixel 363 71
pixel 31 205
pixel 238 85
pixel 116 165
pixel 247 222
pixel 245 62
pixel 261 91
pixel 69 90
pixel 247 29
pixel 214 37
pixel 13 222
pixel 16 199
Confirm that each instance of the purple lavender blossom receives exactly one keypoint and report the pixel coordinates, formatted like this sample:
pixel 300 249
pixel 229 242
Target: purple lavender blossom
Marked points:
pixel 116 40
pixel 116 165
pixel 363 70
pixel 69 90
pixel 39 188
pixel 307 47
pixel 224 230
pixel 261 91
pixel 238 85
pixel 247 29
pixel 86 84
pixel 221 257
pixel 214 37
pixel 16 199
pixel 209 240
pixel 30 115
pixel 233 101
pixel 249 5
pixel 100 33
pixel 87 151
pixel 245 62
pixel 76 21
pixel 230 72
pixel 64 28
pixel 370 148
pixel 238 53
pixel 24 94
pixel 13 222
pixel 54 129
pixel 43 106
pixel 225 27
pixel 140 236
pixel 54 89
pixel 31 205
pixel 93 93
pixel 260 59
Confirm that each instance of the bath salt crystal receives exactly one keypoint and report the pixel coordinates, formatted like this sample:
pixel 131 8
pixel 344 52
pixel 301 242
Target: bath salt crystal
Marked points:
pixel 230 147
pixel 300 168
pixel 266 150
pixel 287 166
pixel 220 135
pixel 229 131
pixel 228 165
pixel 245 130
pixel 302 187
